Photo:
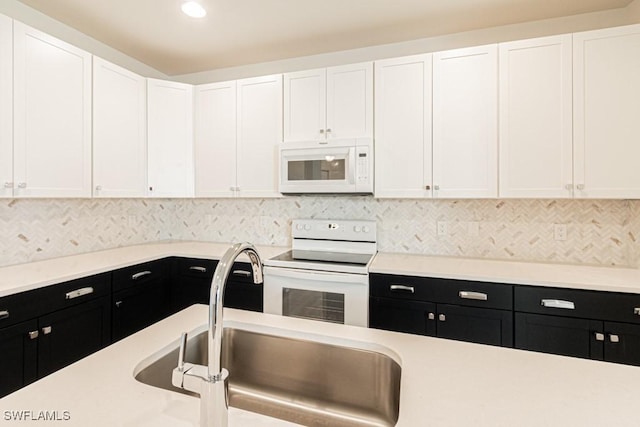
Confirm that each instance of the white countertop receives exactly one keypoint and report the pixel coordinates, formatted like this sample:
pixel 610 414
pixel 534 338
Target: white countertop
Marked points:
pixel 444 383
pixel 612 279
pixel 24 277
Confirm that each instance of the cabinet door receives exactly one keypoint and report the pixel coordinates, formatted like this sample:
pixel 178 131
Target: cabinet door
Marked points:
pixel 536 144
pixel 6 107
pixel 259 134
pixel 478 325
pixel 52 116
pixel 401 316
pixel 69 335
pixel 465 122
pixel 119 131
pixel 215 140
pixel 138 307
pixel 170 139
pixel 558 335
pixel 18 356
pixel 606 81
pixel 350 101
pixel 244 296
pixel 305 105
pixel 622 343
pixel 403 127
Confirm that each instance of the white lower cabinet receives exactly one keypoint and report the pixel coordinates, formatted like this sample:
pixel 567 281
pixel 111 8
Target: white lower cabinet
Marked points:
pixel 403 127
pixel 170 139
pixel 238 130
pixel 536 159
pixel 52 116
pixel 6 106
pixel 119 131
pixel 606 117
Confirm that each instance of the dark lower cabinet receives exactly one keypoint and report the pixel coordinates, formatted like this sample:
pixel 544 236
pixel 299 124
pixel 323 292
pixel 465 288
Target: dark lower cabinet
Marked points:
pixel 69 335
pixel 622 343
pixel 478 325
pixel 18 356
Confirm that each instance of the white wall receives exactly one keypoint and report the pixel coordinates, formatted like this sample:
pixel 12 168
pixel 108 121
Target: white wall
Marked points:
pixel 583 22
pixel 42 22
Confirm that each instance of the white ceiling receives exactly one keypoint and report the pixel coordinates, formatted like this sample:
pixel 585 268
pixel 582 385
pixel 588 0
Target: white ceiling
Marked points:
pixel 239 32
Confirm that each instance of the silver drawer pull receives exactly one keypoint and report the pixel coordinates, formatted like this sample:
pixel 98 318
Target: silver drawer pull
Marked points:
pixel 402 288
pixel 442 317
pixel 636 311
pixel 139 275
pixel 431 316
pixel 599 336
pixel 46 330
pixel 4 314
pixel 244 273
pixel 79 292
pixel 473 295
pixel 614 338
pixel 33 335
pixel 558 303
pixel 198 269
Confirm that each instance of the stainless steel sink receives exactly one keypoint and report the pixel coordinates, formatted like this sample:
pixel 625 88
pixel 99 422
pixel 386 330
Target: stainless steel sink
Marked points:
pixel 302 381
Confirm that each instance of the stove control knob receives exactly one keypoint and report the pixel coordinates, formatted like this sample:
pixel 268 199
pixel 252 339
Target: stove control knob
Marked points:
pixel 357 228
pixel 365 229
pixel 307 227
pixel 298 226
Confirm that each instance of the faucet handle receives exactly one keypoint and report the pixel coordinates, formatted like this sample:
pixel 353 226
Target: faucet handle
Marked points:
pixel 183 349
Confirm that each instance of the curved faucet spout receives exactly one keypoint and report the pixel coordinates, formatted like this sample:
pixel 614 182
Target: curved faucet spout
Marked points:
pixel 215 300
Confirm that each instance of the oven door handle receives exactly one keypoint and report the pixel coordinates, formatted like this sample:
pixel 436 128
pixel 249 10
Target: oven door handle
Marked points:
pixel 322 276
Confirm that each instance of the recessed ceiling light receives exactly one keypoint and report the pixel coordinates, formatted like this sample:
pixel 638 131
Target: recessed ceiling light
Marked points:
pixel 193 9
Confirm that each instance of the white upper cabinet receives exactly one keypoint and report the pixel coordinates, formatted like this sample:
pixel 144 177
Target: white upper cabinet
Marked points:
pixel 215 139
pixel 403 127
pixel 259 116
pixel 536 159
pixel 52 116
pixel 119 131
pixel 170 139
pixel 465 123
pixel 6 107
pixel 322 104
pixel 606 118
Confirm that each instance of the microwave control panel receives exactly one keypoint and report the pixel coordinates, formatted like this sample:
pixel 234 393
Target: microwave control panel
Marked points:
pixel 363 169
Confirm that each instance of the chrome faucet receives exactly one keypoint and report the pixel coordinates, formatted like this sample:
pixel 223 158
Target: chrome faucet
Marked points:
pixel 211 381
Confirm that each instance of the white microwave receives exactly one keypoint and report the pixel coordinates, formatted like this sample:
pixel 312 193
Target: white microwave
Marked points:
pixel 338 166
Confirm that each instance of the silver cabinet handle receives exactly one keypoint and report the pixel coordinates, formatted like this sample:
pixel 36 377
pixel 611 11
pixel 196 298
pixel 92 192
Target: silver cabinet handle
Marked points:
pixel 580 187
pixel 402 288
pixel 33 335
pixel 442 317
pixel 473 295
pixel 427 187
pixel 118 304
pixel 79 292
pixel 139 275
pixel 558 303
pixel 431 316
pixel 8 185
pixel 322 131
pixel 328 130
pixel 599 336
pixel 4 314
pixel 636 311
pixel 22 185
pixel 98 187
pixel 198 268
pixel 436 187
pixel 614 338
pixel 243 273
pixel 46 330
pixel 568 187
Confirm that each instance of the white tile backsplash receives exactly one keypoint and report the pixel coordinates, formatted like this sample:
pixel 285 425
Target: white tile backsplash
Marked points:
pixel 600 232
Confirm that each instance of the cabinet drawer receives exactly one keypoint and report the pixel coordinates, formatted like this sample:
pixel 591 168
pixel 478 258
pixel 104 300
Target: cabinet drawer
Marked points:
pixel 19 307
pixel 74 292
pixel 139 275
pixel 578 303
pixel 241 272
pixel 194 267
pixel 450 291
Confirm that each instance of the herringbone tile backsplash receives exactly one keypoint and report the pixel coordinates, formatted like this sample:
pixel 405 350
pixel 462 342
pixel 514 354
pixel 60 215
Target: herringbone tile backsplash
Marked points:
pixel 599 232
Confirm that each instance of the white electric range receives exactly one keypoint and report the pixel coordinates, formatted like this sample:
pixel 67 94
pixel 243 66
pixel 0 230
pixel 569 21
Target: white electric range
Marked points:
pixel 325 276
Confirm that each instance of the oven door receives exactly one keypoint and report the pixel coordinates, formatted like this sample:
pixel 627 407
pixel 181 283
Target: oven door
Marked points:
pixel 318 168
pixel 327 296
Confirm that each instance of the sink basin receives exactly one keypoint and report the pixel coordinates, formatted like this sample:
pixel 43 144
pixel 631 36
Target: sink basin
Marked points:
pixel 298 380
